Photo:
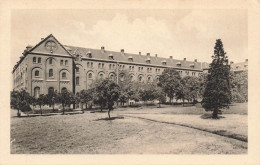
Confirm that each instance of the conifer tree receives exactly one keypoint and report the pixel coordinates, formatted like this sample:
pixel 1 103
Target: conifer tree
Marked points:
pixel 217 93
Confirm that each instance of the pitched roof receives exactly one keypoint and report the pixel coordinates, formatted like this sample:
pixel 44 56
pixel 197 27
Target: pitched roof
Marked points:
pixel 123 57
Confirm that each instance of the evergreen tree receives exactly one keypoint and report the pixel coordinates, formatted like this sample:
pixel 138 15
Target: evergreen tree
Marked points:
pixel 217 93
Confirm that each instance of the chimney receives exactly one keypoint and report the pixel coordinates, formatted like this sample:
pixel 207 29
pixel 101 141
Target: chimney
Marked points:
pixel 184 59
pixel 122 51
pixel 170 57
pixel 155 55
pixel 246 60
pixel 102 49
pixel 195 60
pixel 148 54
pixel 140 53
pixel 42 39
pixel 231 62
pixel 28 47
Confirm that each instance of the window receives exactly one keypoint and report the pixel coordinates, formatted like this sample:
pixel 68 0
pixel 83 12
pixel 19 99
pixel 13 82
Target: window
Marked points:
pixel 50 90
pixel 77 69
pixel 131 78
pixel 64 75
pixel 51 73
pixel 101 76
pixel 36 92
pixel 77 80
pixel 63 89
pixel 140 78
pixel 102 65
pixel 110 66
pixel 61 62
pixel 99 65
pixel 50 61
pixel 88 64
pixel 39 60
pixel 91 64
pixel 90 75
pixel 34 59
pixel 37 73
pixel 66 62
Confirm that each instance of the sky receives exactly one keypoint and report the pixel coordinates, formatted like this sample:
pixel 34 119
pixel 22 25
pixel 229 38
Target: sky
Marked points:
pixel 179 33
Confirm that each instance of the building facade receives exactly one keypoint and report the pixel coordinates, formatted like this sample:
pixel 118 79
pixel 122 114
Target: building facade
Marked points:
pixel 49 65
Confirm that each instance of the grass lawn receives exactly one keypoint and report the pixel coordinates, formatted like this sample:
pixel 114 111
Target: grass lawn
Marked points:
pixel 92 133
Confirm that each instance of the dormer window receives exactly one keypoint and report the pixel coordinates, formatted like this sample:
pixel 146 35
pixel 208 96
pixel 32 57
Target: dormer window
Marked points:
pixel 111 57
pixel 148 61
pixel 130 59
pixel 178 64
pixel 89 54
pixel 192 65
pixel 164 62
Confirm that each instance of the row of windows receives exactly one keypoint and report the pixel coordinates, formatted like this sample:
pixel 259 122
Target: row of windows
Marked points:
pixel 112 66
pixel 149 70
pixel 131 68
pixel 62 62
pixel 37 91
pixel 101 65
pixel 37 74
pixel 90 64
pixel 35 60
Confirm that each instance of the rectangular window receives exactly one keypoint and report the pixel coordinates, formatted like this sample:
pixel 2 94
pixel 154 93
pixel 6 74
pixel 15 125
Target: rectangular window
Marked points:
pixel 77 80
pixel 77 69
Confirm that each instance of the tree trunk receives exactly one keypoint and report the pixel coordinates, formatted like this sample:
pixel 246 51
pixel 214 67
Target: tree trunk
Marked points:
pixel 108 112
pixel 183 102
pixel 52 107
pixel 215 113
pixel 18 113
pixel 63 112
pixel 159 105
pixel 41 109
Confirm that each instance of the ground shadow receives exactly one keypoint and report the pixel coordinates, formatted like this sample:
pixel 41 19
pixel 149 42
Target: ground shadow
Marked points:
pixel 98 111
pixel 111 118
pixel 209 116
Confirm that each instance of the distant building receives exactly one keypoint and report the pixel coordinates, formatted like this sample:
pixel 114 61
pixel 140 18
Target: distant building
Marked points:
pixel 50 66
pixel 239 67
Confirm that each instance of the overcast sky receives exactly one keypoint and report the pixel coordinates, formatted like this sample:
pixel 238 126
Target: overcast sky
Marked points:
pixel 179 33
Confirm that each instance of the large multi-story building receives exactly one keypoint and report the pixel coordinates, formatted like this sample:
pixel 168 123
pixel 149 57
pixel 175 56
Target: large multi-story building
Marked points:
pixel 49 65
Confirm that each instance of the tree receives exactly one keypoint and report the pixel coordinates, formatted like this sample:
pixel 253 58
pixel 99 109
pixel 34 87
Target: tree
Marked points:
pixel 160 96
pixel 51 98
pixel 85 96
pixel 107 92
pixel 170 81
pixel 41 101
pixel 217 92
pixel 20 100
pixel 65 98
pixel 239 86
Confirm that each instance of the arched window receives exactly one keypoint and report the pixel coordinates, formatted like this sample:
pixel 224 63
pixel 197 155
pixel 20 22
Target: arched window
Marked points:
pixel 77 69
pixel 50 61
pixel 140 79
pixel 34 59
pixel 131 78
pixel 61 62
pixel 51 73
pixel 39 60
pixel 63 89
pixel 66 62
pixel 64 76
pixel 36 92
pixel 88 64
pixel 36 73
pixel 90 75
pixel 77 80
pixel 101 76
pixel 50 90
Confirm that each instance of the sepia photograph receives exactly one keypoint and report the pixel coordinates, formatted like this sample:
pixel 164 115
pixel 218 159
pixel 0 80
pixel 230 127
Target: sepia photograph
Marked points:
pixel 129 82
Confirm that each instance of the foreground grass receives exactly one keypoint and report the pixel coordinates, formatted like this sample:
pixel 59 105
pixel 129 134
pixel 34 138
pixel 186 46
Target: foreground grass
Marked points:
pixel 91 133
